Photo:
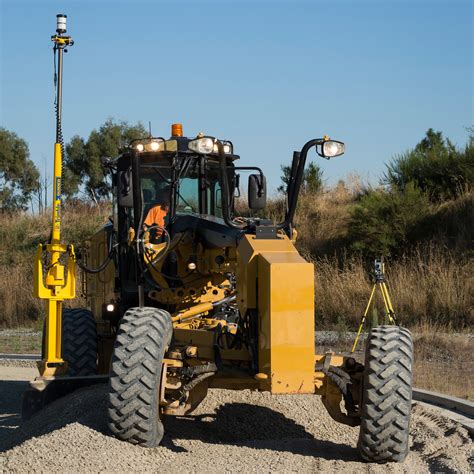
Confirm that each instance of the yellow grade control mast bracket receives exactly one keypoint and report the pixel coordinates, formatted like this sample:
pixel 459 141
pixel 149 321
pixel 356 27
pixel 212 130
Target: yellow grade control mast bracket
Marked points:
pixel 56 282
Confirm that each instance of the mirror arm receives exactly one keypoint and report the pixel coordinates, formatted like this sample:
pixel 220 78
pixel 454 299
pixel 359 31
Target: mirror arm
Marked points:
pixel 291 180
pixel 294 186
pixel 225 187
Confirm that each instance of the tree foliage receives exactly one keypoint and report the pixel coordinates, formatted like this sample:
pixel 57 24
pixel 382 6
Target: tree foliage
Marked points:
pixel 435 167
pixel 83 165
pixel 19 177
pixel 312 179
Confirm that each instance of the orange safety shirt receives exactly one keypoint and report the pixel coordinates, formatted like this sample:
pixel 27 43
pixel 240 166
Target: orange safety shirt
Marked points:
pixel 156 215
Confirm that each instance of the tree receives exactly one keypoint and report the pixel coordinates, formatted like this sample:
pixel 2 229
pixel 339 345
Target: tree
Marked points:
pixel 19 177
pixel 312 179
pixel 83 165
pixel 41 193
pixel 434 166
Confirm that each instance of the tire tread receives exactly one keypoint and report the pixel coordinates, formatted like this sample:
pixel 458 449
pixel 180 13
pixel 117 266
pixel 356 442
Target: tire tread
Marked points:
pixel 79 341
pixel 133 410
pixel 387 394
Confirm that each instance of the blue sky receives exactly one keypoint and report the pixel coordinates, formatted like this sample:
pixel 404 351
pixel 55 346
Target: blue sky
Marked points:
pixel 268 75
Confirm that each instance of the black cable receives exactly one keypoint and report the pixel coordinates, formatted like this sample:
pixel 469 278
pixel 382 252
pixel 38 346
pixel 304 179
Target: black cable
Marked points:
pixel 102 266
pixel 59 130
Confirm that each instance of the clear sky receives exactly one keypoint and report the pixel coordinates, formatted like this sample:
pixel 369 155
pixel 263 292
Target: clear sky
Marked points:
pixel 268 75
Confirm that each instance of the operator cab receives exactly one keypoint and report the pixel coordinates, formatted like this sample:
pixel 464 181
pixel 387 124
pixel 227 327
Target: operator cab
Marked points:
pixel 189 171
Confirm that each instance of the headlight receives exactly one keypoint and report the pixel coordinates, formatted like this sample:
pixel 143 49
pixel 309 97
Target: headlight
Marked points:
pixel 331 148
pixel 149 144
pixel 228 148
pixel 203 145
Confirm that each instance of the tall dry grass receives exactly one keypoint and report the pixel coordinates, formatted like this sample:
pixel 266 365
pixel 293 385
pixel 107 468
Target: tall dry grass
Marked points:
pixel 18 307
pixel 428 286
pixel 322 218
pixel 19 237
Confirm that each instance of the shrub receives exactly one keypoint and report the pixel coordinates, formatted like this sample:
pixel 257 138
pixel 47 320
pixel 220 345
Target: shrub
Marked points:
pixel 383 223
pixel 435 166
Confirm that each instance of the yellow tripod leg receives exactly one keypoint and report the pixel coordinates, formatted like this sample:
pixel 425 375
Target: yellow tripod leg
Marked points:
pixel 387 302
pixel 362 321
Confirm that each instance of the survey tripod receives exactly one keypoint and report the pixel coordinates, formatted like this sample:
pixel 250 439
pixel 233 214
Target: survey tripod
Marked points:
pixel 379 275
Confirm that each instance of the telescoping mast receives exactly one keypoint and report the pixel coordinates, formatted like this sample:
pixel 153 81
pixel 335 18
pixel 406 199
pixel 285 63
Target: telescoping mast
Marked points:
pixel 59 282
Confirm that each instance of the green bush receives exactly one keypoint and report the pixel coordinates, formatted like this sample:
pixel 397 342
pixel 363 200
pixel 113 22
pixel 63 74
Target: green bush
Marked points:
pixel 435 166
pixel 385 222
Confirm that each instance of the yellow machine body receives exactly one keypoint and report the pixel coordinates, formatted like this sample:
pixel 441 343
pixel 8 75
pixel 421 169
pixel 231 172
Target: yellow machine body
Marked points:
pixel 274 286
pixel 263 269
pixel 286 311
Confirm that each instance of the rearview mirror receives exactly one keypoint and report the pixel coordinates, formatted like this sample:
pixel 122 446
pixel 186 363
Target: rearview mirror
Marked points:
pixel 125 188
pixel 257 192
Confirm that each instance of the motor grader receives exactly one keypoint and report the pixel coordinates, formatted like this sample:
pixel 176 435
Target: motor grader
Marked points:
pixel 202 297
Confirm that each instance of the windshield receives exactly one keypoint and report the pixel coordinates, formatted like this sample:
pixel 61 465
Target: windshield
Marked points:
pixel 198 188
pixel 187 200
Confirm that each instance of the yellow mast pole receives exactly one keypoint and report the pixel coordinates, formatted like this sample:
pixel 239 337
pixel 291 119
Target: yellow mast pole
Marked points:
pixel 56 287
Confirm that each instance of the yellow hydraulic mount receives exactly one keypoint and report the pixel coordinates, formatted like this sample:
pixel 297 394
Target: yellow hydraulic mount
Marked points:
pixel 59 282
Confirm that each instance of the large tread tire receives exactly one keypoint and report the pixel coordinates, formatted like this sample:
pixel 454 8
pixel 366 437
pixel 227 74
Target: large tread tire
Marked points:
pixel 79 341
pixel 143 337
pixel 387 395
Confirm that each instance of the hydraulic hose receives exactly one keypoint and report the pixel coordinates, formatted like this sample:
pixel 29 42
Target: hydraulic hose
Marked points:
pixel 228 299
pixel 107 260
pixel 98 269
pixel 101 267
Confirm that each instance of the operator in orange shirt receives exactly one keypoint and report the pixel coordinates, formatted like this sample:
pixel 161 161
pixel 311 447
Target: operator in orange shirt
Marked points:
pixel 156 215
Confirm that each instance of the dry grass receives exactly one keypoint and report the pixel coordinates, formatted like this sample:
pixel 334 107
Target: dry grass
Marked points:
pixel 22 342
pixel 322 219
pixel 19 238
pixel 428 287
pixel 17 304
pixel 442 360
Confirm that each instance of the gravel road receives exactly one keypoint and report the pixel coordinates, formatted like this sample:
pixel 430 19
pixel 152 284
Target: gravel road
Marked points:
pixel 229 432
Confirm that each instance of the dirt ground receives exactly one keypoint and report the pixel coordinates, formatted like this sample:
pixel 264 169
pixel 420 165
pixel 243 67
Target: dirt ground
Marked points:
pixel 230 432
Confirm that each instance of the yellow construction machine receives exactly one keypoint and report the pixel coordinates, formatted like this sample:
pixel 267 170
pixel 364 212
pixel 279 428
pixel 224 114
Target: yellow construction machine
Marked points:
pixel 184 296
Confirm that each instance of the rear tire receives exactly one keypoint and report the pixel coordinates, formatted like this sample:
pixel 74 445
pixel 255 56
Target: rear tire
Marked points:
pixel 134 388
pixel 387 395
pixel 79 341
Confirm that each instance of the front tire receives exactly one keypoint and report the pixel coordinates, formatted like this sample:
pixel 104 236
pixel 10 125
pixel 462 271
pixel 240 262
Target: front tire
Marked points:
pixel 144 336
pixel 387 395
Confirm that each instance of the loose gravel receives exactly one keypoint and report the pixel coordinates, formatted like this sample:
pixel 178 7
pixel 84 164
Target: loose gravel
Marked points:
pixel 231 431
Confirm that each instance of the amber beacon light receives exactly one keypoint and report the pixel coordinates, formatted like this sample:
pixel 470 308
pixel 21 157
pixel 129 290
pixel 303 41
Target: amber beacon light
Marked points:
pixel 176 130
